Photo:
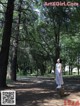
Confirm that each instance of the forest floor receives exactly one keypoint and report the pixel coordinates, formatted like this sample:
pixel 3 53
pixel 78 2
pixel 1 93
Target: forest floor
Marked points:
pixel 40 91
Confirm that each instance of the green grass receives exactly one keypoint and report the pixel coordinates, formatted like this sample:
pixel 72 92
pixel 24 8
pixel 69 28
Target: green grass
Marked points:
pixel 69 76
pixel 45 75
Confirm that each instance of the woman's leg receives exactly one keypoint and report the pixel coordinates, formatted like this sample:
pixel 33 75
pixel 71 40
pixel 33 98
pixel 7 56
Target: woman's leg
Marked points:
pixel 58 81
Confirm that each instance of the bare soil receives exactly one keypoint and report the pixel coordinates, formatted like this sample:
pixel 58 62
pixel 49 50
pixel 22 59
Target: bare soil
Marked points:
pixel 38 91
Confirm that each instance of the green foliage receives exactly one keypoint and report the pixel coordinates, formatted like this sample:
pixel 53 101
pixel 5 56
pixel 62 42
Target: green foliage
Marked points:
pixel 38 27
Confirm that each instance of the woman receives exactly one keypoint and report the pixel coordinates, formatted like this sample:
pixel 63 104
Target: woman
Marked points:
pixel 58 72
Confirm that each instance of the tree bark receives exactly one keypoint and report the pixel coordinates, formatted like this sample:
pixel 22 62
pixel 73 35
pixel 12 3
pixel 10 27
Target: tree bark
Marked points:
pixel 78 62
pixel 14 63
pixel 4 54
pixel 69 69
pixel 57 42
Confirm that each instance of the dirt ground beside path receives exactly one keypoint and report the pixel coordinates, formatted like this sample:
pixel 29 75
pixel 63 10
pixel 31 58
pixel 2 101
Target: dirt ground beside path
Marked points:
pixel 42 92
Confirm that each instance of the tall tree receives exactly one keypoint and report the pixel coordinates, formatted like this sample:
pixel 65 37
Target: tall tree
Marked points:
pixel 6 42
pixel 15 46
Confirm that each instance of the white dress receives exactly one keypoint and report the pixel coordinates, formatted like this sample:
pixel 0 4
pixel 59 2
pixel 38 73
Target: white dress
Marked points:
pixel 59 78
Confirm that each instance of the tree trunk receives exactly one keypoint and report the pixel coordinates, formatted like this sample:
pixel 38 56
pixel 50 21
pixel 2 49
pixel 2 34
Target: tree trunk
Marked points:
pixel 4 54
pixel 15 47
pixel 69 69
pixel 57 46
pixel 14 62
pixel 64 68
pixel 78 62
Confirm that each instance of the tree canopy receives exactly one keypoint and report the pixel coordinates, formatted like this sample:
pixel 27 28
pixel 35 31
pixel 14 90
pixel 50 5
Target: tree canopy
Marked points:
pixel 33 36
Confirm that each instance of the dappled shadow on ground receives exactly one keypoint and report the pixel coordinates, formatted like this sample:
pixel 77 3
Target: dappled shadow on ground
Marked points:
pixel 42 91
